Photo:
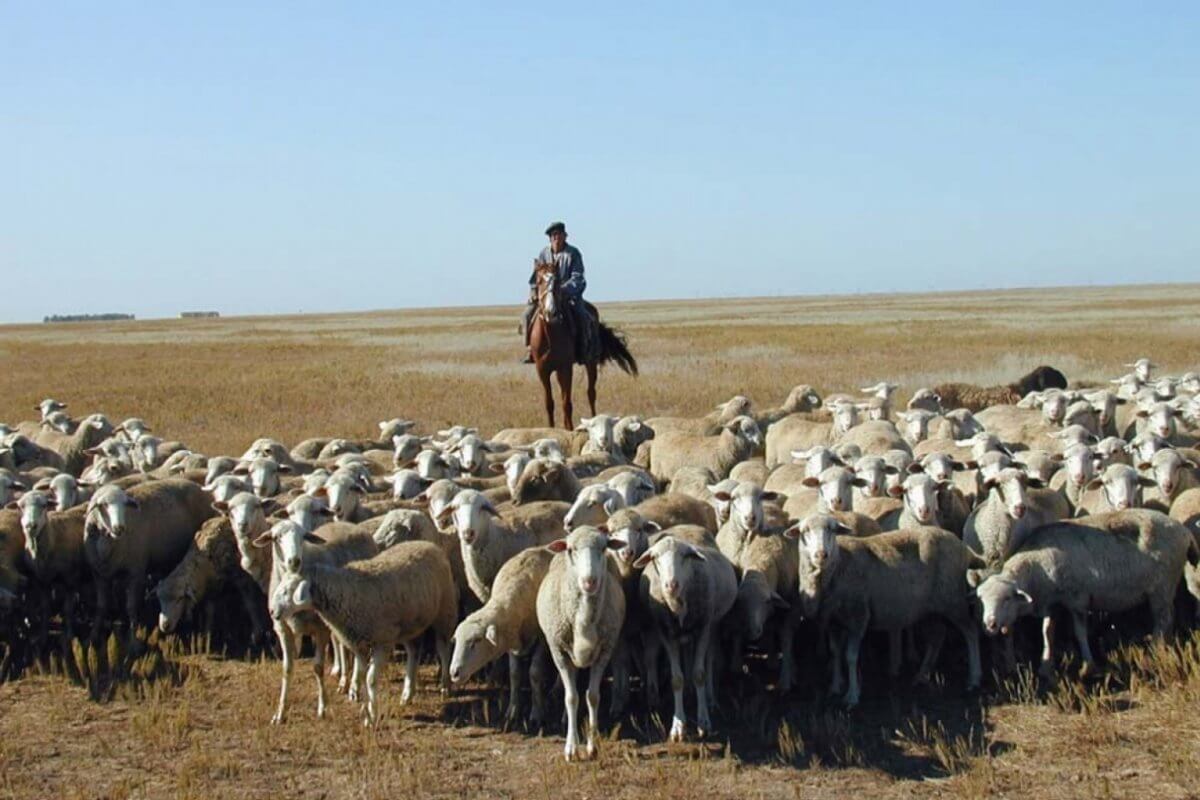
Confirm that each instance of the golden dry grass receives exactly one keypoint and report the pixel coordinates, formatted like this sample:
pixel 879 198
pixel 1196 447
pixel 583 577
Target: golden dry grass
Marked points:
pixel 199 729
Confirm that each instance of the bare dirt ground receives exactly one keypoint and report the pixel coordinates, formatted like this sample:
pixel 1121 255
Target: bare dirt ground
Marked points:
pixel 195 724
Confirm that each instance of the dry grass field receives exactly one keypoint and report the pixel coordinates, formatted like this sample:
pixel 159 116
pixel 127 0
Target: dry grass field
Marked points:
pixel 193 723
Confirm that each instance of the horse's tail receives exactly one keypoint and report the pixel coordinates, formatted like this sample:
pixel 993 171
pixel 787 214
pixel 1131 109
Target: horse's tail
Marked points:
pixel 614 349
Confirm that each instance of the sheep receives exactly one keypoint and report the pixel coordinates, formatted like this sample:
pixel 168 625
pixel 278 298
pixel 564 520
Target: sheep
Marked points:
pixel 374 604
pixel 59 421
pixel 211 563
pixel 224 487
pixel 629 433
pixel 768 582
pixel 916 424
pixel 131 534
pixel 48 407
pixel 342 492
pixel 10 486
pixel 833 493
pixel 488 540
pixel 1107 562
pixel 65 489
pixel 1173 474
pixel 1112 450
pixel 634 487
pixel 508 623
pixel 747 517
pixel 999 524
pixel 472 452
pixel 693 481
pixel 308 512
pixel 580 609
pixel 798 432
pixel 1038 464
pixel 310 449
pixel 977 398
pixel 709 425
pixel 54 546
pixel 874 437
pixel 686 589
pixel 887 582
pixel 594 505
pixel 800 400
pixel 753 470
pixel 567 441
pixel 1118 488
pixel 221 465
pixel 874 473
pixel 546 480
pixel 406 484
pixel 924 399
pixel 922 504
pixel 666 453
pixel 70 448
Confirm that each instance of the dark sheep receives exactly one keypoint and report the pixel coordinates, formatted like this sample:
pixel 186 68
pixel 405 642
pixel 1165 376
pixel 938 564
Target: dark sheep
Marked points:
pixel 977 398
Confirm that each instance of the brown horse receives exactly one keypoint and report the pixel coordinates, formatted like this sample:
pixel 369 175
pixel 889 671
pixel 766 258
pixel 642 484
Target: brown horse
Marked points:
pixel 552 341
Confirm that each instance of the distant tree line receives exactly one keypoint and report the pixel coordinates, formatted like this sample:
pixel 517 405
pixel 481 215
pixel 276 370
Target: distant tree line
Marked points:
pixel 86 317
pixel 198 314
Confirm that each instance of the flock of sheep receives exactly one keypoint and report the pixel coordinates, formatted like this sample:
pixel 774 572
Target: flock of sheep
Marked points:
pixel 791 532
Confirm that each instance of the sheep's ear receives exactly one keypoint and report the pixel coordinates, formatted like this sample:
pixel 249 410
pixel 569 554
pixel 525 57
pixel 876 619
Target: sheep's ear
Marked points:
pixel 1059 457
pixel 723 496
pixel 771 497
pixel 650 527
pixel 1142 413
pixel 1034 483
pixel 285 469
pixel 1121 401
pixel 1189 464
pixel 1094 484
pixel 614 544
pixel 643 560
pixel 843 529
pixel 976 577
pixel 269 506
pixel 263 540
pixel 914 467
pixel 1146 483
pixel 1024 595
pixel 221 507
pixel 692 552
pixel 811 482
pixel 492 636
pixel 11 505
pixel 792 531
pixel 1144 465
pixel 321 492
pixel 132 503
pixel 859 482
pixel 313 539
pixel 496 468
pixel 890 470
pixel 895 491
pixel 779 602
pixel 557 546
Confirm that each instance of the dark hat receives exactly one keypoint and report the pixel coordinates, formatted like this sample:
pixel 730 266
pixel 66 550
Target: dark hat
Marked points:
pixel 556 227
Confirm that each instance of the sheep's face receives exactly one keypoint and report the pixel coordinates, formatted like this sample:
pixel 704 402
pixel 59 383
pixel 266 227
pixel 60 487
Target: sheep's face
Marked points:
pixel 594 505
pixel 1009 486
pixel 964 423
pixel 175 603
pixel 225 487
pixel 59 421
pixel 845 417
pixel 1112 450
pixel 49 406
pixel 292 595
pixel 1080 463
pixel 1105 405
pixel 65 490
pixel 472 454
pixel 632 538
pixel 586 551
pixel 471 514
pixel 264 476
pixel 514 465
pixel 816 460
pixel 342 492
pixel 1167 469
pixel 1081 414
pixel 878 410
pixel 35 510
pixel 632 486
pixel 1122 486
pixel 1160 419
pixel 916 425
pixel 547 450
pixel 629 433
pixel 836 488
pixel 433 466
pixel 405 448
pixel 108 512
pixel 816 539
pixel 287 541
pixel 145 452
pixel 314 481
pixel 747 429
pixel 802 398
pixel 1002 603
pixel 925 400
pixel 1192 411
pixel 475 646
pixel 440 494
pixel 1038 464
pixel 754 606
pixel 672 559
pixel 746 505
pixel 1146 444
pixel 939 466
pixel 218 467
pixel 920 498
pixel 309 513
pixel 1054 406
pixel 600 431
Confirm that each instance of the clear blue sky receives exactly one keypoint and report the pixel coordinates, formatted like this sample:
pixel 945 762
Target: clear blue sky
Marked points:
pixel 163 156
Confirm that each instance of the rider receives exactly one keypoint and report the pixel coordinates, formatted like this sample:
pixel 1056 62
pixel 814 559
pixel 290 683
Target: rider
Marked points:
pixel 569 262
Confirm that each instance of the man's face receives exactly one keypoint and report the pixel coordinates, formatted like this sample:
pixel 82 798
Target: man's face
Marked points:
pixel 558 240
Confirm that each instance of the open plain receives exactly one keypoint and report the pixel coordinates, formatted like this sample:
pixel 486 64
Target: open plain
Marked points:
pixel 194 723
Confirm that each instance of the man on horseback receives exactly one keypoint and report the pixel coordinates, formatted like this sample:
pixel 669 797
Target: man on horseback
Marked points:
pixel 569 263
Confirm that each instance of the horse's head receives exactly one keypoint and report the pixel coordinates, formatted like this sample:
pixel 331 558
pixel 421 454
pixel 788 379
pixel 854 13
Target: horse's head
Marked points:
pixel 549 302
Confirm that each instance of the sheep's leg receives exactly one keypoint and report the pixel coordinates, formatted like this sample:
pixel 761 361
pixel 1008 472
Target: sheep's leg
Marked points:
pixel 1047 667
pixel 787 658
pixel 442 643
pixel 595 676
pixel 853 644
pixel 934 637
pixel 539 683
pixel 591 387
pixel 356 676
pixel 68 635
pixel 133 610
pixel 621 665
pixel 1163 611
pixel 566 671
pixel 896 648
pixel 413 649
pixel 650 645
pixel 287 644
pixel 320 642
pixel 679 720
pixel 701 667
pixel 836 678
pixel 378 663
pixel 1079 624
pixel 103 596
pixel 515 668
pixel 565 376
pixel 974 666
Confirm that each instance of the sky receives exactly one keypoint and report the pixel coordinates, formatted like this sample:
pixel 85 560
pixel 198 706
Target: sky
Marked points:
pixel 283 157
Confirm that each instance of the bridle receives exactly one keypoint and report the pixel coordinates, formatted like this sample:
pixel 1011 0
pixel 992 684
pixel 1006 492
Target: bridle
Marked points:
pixel 548 302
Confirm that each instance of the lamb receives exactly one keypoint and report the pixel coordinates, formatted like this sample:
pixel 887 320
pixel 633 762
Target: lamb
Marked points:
pixel 667 453
pixel 709 425
pixel 128 535
pixel 489 540
pixel 546 480
pixel 374 604
pixel 887 582
pixel 1107 562
pixel 976 398
pixel 580 609
pixel 686 589
pixel 508 623
pixel 210 564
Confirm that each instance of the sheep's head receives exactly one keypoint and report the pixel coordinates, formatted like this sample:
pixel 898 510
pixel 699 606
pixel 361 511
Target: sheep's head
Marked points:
pixel 1160 419
pixel 221 465
pixel 406 484
pixel 1009 485
pixel 342 492
pixel 816 460
pixel 601 431
pixel 399 525
pixel 940 466
pixel 540 480
pixel 802 398
pixel 1167 467
pixel 1121 485
pixel 1002 601
pixel 845 417
pixel 225 487
pixel 755 603
pixel 1143 368
pixel 673 561
pixel 745 505
pixel 593 506
pixel 292 596
pixel 49 406
pixel 470 514
pixel 287 541
pixel 391 428
pixel 630 432
pixel 633 532
pixel 919 492
pixel 476 644
pixel 10 485
pixel 634 487
pixel 585 550
pixel 816 539
pixel 836 488
pixel 925 400
pixel 915 426
pixel 35 508
pixel 406 448
pixel 108 512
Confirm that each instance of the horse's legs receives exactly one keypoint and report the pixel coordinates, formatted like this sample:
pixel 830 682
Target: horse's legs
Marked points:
pixel 591 390
pixel 544 375
pixel 565 376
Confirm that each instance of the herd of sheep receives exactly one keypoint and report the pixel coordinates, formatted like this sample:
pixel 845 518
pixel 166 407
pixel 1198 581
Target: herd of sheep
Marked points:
pixel 785 535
